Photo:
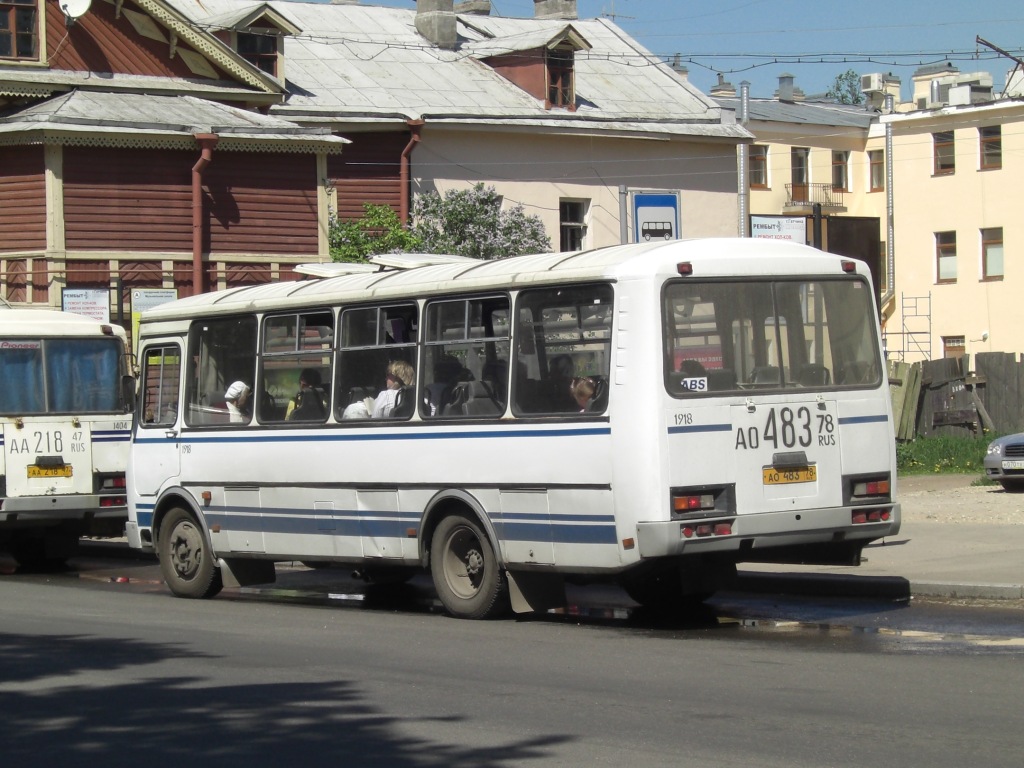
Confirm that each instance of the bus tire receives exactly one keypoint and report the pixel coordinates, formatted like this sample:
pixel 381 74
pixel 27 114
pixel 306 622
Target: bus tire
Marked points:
pixel 186 562
pixel 467 577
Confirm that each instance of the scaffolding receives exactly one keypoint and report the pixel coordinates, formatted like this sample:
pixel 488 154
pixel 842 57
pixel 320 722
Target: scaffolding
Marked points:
pixel 916 316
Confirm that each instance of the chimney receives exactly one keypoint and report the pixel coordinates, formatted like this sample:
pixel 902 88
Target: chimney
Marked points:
pixel 474 7
pixel 435 20
pixel 786 87
pixel 555 9
pixel 723 89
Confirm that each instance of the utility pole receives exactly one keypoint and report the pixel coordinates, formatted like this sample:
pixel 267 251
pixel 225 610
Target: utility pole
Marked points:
pixel 1020 64
pixel 606 14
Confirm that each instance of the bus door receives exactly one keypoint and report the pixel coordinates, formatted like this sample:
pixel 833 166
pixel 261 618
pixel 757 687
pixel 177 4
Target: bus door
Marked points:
pixel 156 453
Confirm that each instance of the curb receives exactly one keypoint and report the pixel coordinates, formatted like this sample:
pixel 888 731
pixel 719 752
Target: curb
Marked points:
pixel 884 587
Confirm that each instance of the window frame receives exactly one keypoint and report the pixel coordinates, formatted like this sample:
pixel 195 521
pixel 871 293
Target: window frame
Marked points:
pixel 944 153
pixel 876 165
pixel 840 170
pixel 259 58
pixel 990 239
pixel 758 166
pixel 572 228
pixel 560 67
pixel 990 147
pixel 945 249
pixel 14 9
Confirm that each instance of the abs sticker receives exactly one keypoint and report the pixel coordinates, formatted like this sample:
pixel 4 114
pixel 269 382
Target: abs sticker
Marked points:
pixel 695 384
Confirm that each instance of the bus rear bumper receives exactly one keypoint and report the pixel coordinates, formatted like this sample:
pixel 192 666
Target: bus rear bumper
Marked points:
pixel 753 537
pixel 43 508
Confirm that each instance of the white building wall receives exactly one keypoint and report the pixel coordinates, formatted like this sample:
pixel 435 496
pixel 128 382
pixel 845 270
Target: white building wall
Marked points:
pixel 584 167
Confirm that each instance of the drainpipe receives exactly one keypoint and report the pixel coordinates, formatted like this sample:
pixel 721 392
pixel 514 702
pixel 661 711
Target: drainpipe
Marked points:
pixel 416 126
pixel 207 141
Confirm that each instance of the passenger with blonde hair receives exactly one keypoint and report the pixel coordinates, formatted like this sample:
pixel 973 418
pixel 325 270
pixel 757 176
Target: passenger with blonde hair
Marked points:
pixel 582 390
pixel 400 374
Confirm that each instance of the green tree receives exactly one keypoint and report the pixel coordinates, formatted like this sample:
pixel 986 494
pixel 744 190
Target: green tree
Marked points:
pixel 846 88
pixel 378 231
pixel 471 222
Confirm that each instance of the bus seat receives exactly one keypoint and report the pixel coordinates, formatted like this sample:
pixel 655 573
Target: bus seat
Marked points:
pixel 480 400
pixel 599 402
pixel 405 403
pixel 813 375
pixel 721 379
pixel 765 374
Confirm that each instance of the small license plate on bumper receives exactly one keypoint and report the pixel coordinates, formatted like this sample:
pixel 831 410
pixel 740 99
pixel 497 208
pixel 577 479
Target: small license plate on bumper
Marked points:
pixel 64 471
pixel 1013 464
pixel 773 476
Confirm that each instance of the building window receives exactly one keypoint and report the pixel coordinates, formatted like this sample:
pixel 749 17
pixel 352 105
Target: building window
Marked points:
pixel 18 29
pixel 260 50
pixel 991 139
pixel 560 78
pixel 572 215
pixel 876 163
pixel 799 160
pixel 840 171
pixel 945 156
pixel 954 346
pixel 945 255
pixel 992 253
pixel 759 166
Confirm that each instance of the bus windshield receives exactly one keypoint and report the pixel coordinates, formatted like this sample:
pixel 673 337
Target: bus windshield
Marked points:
pixel 769 334
pixel 53 376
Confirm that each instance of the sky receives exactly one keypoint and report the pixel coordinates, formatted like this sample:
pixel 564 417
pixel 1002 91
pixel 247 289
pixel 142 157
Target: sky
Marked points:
pixel 758 40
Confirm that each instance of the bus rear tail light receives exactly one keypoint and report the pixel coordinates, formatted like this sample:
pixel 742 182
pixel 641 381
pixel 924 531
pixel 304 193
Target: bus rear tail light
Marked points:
pixel 705 530
pixel 112 484
pixel 871 488
pixel 862 516
pixel 693 502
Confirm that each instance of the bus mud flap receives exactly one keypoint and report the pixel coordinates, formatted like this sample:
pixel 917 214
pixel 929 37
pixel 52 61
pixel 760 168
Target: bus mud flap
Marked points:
pixel 530 591
pixel 243 572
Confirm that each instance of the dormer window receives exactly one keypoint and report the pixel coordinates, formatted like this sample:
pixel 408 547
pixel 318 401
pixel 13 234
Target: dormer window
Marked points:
pixel 259 49
pixel 561 92
pixel 18 29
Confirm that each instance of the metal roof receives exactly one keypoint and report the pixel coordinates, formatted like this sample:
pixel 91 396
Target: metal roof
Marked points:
pixel 804 112
pixel 141 114
pixel 370 61
pixel 709 256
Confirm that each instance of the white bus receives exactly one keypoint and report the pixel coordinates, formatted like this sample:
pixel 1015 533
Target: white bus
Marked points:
pixel 738 410
pixel 66 394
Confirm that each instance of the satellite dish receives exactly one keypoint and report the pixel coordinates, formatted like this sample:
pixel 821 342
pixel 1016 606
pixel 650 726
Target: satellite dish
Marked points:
pixel 75 9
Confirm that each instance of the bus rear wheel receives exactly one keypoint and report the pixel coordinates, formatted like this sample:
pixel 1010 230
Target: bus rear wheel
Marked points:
pixel 186 562
pixel 466 574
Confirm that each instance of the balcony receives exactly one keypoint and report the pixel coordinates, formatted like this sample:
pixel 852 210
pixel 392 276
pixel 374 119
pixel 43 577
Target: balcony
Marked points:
pixel 803 197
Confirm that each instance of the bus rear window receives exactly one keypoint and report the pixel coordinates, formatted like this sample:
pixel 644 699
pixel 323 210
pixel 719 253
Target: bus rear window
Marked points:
pixel 733 336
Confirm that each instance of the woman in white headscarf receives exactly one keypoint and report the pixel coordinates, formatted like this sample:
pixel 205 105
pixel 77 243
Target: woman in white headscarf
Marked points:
pixel 237 399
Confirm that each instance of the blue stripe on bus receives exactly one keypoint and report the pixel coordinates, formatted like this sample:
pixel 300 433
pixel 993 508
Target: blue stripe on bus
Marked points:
pixel 595 529
pixel 691 428
pixel 863 419
pixel 336 437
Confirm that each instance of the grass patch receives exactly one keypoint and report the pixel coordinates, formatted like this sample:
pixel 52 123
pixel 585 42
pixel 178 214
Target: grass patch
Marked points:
pixel 942 455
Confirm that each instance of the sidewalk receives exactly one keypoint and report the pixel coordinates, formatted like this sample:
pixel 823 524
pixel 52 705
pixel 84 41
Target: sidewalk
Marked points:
pixel 926 559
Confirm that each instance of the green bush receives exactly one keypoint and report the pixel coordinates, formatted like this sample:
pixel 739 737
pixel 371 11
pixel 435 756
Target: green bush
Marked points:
pixel 942 455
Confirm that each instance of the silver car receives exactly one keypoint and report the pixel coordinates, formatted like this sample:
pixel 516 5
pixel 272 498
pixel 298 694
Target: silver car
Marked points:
pixel 1004 461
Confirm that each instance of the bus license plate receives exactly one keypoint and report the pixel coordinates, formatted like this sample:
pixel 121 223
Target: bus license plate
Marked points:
pixel 774 476
pixel 64 471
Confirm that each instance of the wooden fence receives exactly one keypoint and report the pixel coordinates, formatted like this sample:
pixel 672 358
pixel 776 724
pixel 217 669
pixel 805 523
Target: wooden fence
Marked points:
pixel 948 397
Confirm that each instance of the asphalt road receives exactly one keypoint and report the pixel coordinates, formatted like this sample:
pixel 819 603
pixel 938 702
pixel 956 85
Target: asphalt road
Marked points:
pixel 100 672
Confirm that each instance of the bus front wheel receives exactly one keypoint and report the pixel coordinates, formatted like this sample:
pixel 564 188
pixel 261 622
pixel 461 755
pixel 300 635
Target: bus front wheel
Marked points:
pixel 186 562
pixel 466 574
